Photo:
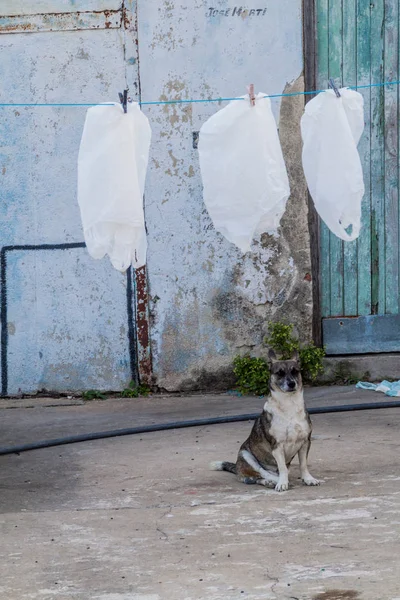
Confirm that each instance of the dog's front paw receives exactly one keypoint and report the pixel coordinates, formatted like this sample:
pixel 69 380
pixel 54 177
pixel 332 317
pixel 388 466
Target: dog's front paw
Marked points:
pixel 282 486
pixel 267 483
pixel 310 480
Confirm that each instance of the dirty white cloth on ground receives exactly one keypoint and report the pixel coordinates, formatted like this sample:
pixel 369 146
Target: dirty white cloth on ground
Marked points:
pixel 389 388
pixel 331 128
pixel 244 175
pixel 112 164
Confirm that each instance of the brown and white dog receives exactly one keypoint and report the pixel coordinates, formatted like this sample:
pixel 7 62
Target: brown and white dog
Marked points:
pixel 281 431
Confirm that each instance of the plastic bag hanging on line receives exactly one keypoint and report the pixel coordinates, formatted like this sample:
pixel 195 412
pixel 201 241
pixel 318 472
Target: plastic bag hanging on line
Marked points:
pixel 244 175
pixel 112 165
pixel 331 128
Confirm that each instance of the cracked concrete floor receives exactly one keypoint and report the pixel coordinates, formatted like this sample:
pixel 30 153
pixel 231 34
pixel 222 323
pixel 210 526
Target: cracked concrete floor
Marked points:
pixel 142 517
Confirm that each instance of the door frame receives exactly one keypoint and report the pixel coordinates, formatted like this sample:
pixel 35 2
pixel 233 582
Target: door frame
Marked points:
pixel 310 79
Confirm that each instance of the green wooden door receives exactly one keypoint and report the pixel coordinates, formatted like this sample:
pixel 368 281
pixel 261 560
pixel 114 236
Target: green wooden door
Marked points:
pixel 358 44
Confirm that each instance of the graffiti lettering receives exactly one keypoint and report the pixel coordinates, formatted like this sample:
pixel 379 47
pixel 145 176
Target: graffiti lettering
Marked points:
pixel 236 11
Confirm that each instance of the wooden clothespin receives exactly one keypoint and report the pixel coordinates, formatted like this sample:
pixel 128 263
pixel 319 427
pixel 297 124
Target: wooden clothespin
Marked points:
pixel 123 98
pixel 252 97
pixel 332 85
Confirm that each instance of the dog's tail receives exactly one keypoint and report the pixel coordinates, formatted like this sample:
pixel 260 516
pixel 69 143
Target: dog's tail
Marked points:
pixel 220 465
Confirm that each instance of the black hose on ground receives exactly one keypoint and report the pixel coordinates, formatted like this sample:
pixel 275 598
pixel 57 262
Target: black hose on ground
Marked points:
pixel 100 435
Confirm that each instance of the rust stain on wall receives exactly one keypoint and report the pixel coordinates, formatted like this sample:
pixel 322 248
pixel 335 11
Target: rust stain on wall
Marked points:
pixel 142 326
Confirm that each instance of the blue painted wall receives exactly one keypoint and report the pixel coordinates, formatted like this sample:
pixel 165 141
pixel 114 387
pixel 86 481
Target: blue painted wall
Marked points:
pixel 67 321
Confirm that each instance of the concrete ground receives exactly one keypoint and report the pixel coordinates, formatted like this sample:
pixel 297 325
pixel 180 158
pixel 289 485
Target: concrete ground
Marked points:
pixel 142 517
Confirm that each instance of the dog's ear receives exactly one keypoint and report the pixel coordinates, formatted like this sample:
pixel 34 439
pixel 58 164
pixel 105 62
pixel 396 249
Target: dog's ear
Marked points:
pixel 295 355
pixel 272 355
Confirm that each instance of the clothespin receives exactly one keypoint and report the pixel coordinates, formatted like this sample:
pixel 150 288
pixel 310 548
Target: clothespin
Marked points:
pixel 332 85
pixel 252 97
pixel 123 98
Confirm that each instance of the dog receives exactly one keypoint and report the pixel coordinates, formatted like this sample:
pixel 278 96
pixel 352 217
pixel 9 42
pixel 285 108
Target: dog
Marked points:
pixel 281 431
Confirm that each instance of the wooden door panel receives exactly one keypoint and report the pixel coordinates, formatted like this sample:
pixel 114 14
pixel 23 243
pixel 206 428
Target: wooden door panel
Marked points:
pixel 358 44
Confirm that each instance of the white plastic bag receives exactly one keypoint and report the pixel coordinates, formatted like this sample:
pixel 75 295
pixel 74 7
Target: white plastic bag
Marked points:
pixel 331 128
pixel 244 175
pixel 112 166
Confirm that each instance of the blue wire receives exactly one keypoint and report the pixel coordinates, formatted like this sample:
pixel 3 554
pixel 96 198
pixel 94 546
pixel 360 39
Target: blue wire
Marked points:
pixel 157 102
pixel 56 104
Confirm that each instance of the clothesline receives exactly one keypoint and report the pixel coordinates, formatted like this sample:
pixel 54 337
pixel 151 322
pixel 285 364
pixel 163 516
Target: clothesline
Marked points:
pixel 193 101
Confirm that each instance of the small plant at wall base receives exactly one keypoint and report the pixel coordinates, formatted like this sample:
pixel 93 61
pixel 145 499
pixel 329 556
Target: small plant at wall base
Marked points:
pixel 134 391
pixel 252 374
pixel 282 340
pixel 93 395
pixel 311 362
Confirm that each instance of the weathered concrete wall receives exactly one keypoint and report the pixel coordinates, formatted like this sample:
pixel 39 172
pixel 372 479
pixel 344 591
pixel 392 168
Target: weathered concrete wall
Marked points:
pixel 208 302
pixel 66 316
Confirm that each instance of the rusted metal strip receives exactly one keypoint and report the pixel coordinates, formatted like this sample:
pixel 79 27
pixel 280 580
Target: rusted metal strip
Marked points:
pixel 73 21
pixel 142 327
pixel 144 359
